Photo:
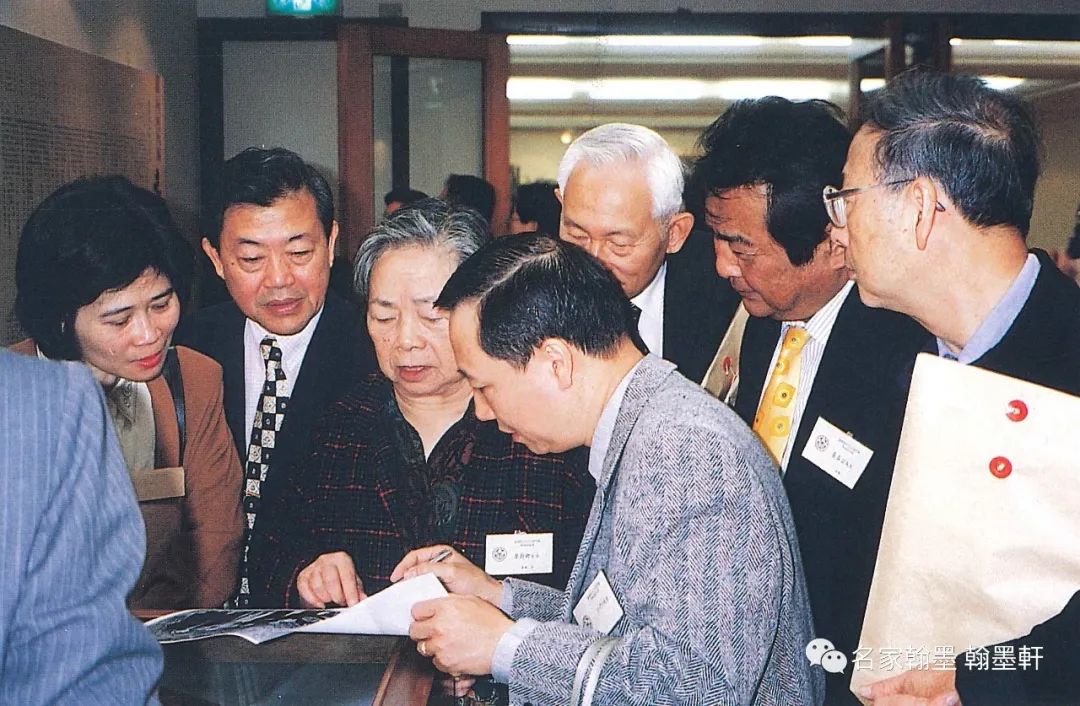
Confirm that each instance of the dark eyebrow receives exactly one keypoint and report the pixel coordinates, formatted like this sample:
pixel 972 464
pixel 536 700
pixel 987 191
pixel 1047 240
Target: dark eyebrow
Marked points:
pixel 292 238
pixel 729 238
pixel 121 309
pixel 114 312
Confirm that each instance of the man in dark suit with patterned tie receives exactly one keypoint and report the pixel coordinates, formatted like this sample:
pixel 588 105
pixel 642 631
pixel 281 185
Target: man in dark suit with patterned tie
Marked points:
pixel 815 363
pixel 621 191
pixel 286 345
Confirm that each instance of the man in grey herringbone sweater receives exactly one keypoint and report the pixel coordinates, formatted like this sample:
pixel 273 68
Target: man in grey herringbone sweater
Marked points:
pixel 687 588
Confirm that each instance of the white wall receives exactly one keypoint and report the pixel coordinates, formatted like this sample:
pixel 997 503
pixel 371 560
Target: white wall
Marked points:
pixel 465 14
pixel 1059 188
pixel 293 102
pixel 152 35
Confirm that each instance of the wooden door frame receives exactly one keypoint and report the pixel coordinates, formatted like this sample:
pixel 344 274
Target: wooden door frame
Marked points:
pixel 212 35
pixel 358 44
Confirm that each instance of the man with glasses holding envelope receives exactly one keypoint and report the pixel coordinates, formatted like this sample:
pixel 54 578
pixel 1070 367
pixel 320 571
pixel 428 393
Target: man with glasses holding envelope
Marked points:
pixel 935 209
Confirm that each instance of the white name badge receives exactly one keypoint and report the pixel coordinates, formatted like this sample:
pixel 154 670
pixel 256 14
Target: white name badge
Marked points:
pixel 519 553
pixel 837 453
pixel 598 608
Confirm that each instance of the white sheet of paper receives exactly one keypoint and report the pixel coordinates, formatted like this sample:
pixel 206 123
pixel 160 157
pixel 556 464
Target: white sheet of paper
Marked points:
pixel 970 554
pixel 388 612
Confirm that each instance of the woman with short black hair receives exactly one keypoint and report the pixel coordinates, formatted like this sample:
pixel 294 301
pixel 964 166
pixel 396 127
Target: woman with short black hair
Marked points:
pixel 102 273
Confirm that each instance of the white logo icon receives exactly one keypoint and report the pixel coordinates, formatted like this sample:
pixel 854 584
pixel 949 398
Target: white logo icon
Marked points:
pixel 817 648
pixel 834 661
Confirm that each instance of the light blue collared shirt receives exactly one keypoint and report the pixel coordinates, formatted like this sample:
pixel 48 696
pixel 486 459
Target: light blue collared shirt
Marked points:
pixel 1000 319
pixel 503 658
pixel 605 426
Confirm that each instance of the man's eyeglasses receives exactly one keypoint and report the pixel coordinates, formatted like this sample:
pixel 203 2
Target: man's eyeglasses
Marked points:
pixel 834 199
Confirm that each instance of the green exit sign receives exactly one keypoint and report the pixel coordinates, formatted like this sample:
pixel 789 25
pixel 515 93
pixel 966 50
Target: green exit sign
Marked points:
pixel 303 8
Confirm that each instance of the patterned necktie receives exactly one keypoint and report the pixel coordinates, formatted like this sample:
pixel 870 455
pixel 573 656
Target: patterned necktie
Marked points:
pixel 773 419
pixel 269 413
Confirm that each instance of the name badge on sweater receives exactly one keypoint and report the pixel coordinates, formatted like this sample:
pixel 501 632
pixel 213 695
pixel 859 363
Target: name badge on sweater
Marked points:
pixel 837 453
pixel 598 608
pixel 519 553
pixel 158 483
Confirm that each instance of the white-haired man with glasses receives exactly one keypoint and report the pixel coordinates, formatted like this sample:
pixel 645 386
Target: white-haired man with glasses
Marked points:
pixel 938 191
pixel 814 361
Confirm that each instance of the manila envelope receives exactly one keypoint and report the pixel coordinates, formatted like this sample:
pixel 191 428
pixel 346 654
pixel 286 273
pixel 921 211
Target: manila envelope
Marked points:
pixel 981 540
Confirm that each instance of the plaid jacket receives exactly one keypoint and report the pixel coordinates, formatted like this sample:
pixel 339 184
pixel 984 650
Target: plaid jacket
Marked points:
pixel 351 494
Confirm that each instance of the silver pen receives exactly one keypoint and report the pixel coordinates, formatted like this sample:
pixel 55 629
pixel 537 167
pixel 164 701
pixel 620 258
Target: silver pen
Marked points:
pixel 440 555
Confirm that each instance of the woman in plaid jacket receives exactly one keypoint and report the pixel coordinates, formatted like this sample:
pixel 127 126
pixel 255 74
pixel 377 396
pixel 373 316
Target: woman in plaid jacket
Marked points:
pixel 401 461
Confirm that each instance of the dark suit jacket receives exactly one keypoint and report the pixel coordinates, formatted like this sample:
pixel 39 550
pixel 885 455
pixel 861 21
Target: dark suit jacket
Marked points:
pixel 354 496
pixel 698 305
pixel 1043 346
pixel 861 387
pixel 339 353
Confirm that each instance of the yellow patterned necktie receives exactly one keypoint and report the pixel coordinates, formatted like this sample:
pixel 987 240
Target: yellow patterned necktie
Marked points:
pixel 772 423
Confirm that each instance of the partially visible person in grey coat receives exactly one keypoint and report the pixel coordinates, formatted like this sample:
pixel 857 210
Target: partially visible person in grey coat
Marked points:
pixel 688 588
pixel 71 545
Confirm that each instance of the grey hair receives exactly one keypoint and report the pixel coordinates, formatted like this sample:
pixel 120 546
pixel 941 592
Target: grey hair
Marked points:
pixel 616 143
pixel 428 223
pixel 982 146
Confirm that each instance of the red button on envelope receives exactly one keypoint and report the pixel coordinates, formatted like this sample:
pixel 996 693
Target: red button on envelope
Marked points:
pixel 1018 411
pixel 1000 467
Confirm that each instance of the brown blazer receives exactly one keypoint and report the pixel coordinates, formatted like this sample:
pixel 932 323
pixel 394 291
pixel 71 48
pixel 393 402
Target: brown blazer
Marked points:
pixel 192 542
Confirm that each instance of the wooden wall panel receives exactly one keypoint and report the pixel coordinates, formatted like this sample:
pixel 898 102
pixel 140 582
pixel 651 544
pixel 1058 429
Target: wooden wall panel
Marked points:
pixel 66 114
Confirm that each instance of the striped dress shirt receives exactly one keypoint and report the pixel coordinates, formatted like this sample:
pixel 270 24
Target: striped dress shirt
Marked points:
pixel 818 328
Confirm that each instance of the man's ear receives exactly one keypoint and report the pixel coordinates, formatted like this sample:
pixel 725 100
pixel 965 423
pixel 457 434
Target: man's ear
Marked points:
pixel 925 193
pixel 835 249
pixel 215 258
pixel 558 360
pixel 678 230
pixel 559 196
pixel 333 241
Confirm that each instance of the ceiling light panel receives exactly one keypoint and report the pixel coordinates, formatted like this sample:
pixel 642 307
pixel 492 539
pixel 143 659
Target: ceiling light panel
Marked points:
pixel 521 89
